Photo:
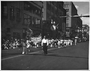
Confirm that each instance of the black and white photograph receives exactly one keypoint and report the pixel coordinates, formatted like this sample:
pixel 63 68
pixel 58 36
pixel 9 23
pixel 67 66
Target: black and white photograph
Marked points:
pixel 45 35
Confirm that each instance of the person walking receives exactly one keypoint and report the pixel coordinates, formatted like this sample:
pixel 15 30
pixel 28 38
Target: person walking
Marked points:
pixel 28 45
pixel 24 50
pixel 76 38
pixel 44 44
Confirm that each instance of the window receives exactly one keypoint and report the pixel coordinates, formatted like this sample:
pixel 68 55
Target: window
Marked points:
pixel 27 19
pixel 25 6
pixel 31 8
pixel 66 6
pixel 4 10
pixel 67 14
pixel 12 13
pixel 60 12
pixel 17 14
pixel 24 33
pixel 67 18
pixel 66 24
pixel 63 26
pixel 33 20
pixel 67 10
pixel 8 30
pixel 48 15
pixel 48 6
pixel 28 7
pixel 37 21
pixel 37 11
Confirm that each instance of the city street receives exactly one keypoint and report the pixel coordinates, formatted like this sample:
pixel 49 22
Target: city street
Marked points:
pixel 67 58
pixel 29 25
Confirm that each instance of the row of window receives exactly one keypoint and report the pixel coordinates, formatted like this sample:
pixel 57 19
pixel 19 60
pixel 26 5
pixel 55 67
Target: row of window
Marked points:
pixel 66 6
pixel 30 20
pixel 31 8
pixel 10 12
pixel 27 19
pixel 51 8
pixel 55 11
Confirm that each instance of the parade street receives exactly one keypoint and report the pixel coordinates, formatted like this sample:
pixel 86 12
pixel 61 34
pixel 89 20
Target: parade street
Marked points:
pixel 68 58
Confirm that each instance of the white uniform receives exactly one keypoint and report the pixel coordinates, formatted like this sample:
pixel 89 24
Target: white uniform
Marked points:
pixel 44 41
pixel 76 40
pixel 65 43
pixel 24 47
pixel 27 42
pixel 59 44
pixel 44 44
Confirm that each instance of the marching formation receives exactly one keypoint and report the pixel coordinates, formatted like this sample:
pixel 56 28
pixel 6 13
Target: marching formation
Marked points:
pixel 44 43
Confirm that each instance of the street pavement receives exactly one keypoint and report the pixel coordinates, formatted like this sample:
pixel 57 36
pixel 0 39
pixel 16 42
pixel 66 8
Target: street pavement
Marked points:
pixel 68 58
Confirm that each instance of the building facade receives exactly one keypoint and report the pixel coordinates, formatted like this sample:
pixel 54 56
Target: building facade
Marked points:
pixel 52 11
pixel 18 16
pixel 72 23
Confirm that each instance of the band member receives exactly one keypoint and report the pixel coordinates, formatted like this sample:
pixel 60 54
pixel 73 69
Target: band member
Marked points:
pixel 24 46
pixel 59 44
pixel 28 45
pixel 44 44
pixel 70 42
pixel 76 40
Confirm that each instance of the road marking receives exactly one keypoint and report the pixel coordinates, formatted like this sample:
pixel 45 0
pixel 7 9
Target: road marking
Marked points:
pixel 11 57
pixel 24 55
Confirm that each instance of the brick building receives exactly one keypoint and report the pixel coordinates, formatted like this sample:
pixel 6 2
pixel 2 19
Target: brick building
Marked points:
pixel 52 10
pixel 72 23
pixel 18 16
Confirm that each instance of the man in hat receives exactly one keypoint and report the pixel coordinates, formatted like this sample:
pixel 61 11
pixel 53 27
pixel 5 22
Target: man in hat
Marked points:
pixel 44 44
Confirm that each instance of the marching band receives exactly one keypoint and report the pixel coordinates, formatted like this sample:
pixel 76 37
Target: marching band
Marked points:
pixel 44 43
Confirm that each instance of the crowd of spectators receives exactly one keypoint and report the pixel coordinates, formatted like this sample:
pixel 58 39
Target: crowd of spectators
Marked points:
pixel 36 42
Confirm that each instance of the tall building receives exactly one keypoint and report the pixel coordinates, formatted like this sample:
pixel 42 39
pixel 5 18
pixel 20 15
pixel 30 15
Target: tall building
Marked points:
pixel 34 10
pixel 52 10
pixel 18 16
pixel 72 23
